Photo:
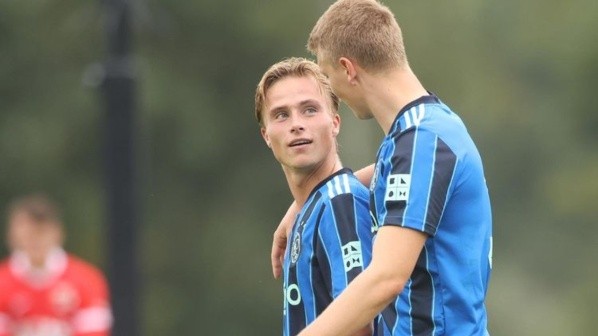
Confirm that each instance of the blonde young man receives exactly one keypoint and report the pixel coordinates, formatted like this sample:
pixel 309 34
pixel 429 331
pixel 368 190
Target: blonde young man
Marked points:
pixel 331 237
pixel 433 250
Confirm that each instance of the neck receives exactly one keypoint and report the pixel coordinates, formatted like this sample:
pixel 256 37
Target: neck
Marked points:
pixel 387 93
pixel 303 181
pixel 38 262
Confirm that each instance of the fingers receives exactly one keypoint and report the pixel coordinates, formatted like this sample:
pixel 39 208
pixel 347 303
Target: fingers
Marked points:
pixel 279 241
pixel 279 244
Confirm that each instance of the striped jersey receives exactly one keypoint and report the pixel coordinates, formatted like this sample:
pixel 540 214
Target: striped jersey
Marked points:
pixel 330 244
pixel 429 177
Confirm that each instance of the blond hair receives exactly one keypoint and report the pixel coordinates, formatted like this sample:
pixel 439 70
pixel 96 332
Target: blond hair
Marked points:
pixel 292 67
pixel 363 30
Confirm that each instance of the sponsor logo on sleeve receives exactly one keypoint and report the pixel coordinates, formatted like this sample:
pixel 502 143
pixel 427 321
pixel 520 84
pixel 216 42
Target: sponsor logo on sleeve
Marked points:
pixel 397 187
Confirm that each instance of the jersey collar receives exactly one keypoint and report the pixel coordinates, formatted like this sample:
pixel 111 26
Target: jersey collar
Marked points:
pixel 330 177
pixel 55 265
pixel 429 99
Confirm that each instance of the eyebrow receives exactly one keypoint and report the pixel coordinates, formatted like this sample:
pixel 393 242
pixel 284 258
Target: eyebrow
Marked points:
pixel 309 102
pixel 301 104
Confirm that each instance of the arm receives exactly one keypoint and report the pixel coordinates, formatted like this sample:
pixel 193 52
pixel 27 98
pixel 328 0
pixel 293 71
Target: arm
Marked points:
pixel 5 289
pixel 396 251
pixel 4 324
pixel 364 175
pixel 279 241
pixel 368 330
pixel 94 317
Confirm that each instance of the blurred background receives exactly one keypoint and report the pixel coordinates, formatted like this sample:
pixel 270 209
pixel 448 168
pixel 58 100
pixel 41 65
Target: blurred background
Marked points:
pixel 198 192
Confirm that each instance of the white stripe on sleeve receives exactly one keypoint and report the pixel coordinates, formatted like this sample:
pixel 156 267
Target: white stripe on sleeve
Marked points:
pixel 4 323
pixel 92 319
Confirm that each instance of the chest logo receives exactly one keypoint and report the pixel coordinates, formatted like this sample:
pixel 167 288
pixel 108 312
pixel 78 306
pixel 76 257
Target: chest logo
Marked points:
pixel 64 298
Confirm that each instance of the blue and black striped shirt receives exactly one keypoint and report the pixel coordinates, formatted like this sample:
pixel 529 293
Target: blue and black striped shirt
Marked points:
pixel 330 244
pixel 429 177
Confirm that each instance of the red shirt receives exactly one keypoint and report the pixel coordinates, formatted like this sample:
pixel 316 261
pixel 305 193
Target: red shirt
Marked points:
pixel 69 297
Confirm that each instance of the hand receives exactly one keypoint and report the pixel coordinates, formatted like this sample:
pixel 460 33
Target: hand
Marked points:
pixel 279 241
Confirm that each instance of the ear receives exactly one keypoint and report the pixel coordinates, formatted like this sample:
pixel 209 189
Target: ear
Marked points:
pixel 350 69
pixel 265 136
pixel 336 124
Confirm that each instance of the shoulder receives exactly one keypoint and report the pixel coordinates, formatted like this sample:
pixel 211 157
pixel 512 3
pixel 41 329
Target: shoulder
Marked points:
pixel 344 185
pixel 429 113
pixel 5 273
pixel 4 266
pixel 7 280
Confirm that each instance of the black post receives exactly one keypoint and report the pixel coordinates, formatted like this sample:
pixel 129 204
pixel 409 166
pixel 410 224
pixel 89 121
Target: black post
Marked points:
pixel 118 89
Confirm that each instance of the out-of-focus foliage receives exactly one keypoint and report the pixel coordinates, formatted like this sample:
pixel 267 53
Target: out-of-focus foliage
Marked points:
pixel 522 74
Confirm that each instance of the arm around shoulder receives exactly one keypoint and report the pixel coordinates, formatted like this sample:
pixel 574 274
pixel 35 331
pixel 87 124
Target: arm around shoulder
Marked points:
pixel 279 240
pixel 364 175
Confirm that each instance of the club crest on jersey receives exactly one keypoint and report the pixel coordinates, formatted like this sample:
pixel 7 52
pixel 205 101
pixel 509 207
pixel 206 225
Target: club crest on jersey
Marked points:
pixel 397 187
pixel 296 248
pixel 296 244
pixel 64 298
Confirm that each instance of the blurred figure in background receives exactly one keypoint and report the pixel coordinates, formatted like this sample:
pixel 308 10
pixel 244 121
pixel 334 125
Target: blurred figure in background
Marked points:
pixel 45 291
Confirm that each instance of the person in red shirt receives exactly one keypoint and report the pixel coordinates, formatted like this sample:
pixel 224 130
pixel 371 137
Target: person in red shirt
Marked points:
pixel 45 291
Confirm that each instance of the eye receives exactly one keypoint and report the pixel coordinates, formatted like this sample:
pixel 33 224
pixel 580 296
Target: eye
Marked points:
pixel 311 110
pixel 280 115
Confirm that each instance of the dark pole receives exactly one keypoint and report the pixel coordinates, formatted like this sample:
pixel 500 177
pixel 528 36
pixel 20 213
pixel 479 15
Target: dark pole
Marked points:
pixel 118 89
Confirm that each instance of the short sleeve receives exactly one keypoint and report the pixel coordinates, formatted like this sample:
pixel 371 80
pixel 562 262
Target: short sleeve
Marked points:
pixel 94 316
pixel 417 186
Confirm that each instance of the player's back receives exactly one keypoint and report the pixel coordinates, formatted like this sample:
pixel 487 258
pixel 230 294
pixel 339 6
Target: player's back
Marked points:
pixel 441 190
pixel 463 241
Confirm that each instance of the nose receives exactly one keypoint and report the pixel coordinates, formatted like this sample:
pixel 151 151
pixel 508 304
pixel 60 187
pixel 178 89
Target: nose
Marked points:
pixel 297 124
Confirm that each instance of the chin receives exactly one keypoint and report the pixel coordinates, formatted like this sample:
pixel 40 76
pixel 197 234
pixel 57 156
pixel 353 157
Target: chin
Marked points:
pixel 302 166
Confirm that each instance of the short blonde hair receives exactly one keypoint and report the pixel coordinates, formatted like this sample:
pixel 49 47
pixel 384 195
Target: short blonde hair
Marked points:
pixel 363 30
pixel 295 67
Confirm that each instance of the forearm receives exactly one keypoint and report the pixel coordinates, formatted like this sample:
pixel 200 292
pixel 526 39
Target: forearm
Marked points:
pixel 365 331
pixel 356 307
pixel 395 253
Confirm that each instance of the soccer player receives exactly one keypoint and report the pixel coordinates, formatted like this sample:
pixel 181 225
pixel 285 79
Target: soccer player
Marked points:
pixel 44 291
pixel 330 242
pixel 432 253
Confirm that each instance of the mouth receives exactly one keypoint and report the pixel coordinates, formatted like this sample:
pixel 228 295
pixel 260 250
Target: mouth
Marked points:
pixel 300 142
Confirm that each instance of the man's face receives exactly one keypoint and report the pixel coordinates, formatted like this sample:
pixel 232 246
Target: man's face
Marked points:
pixel 299 125
pixel 335 74
pixel 339 81
pixel 36 240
